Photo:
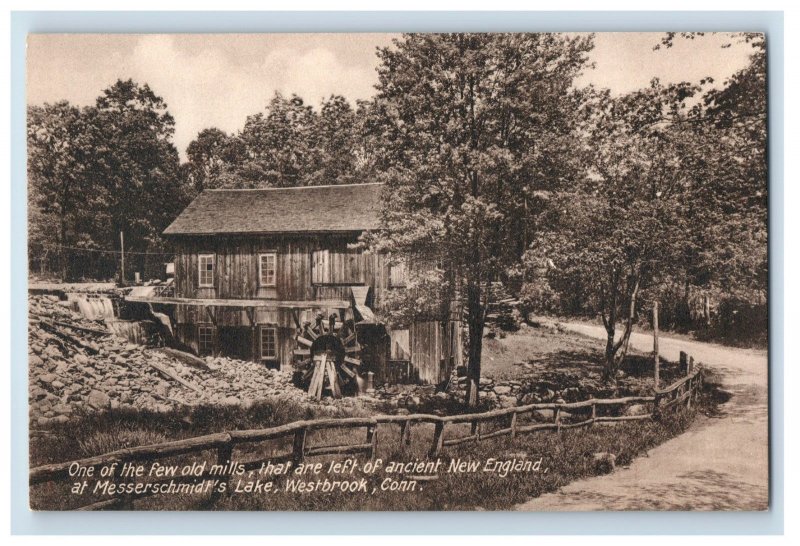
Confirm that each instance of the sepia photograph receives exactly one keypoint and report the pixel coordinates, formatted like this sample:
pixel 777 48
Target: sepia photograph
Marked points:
pixel 398 272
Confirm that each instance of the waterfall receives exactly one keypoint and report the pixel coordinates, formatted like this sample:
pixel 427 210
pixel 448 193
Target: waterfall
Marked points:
pixel 92 307
pixel 139 330
pixel 135 331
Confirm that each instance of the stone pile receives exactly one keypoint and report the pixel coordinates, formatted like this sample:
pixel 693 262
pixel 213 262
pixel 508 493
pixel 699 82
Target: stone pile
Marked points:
pixel 503 311
pixel 77 366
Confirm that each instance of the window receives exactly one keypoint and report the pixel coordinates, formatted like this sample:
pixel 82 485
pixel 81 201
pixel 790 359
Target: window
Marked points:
pixel 205 265
pixel 269 343
pixel 266 269
pixel 205 339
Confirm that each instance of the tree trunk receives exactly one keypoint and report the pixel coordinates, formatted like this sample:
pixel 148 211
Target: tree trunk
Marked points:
pixel 475 322
pixel 615 352
pixel 609 373
pixel 63 262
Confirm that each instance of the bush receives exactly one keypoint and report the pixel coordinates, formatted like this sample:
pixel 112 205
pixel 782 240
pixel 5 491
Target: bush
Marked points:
pixel 538 297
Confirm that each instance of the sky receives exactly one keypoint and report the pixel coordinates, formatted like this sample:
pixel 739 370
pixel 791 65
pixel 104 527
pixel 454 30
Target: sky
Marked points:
pixel 218 80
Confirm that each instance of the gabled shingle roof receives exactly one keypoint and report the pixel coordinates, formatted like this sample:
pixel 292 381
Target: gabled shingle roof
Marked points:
pixel 351 207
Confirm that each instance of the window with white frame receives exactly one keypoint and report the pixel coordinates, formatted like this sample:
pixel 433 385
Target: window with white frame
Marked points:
pixel 266 269
pixel 269 343
pixel 205 270
pixel 205 338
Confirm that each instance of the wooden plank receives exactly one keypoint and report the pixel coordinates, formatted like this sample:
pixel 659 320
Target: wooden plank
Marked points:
pixel 372 439
pixel 265 303
pixel 315 386
pixel 299 445
pixel 333 380
pixel 405 432
pixel 211 316
pixel 296 318
pixel 339 450
pixel 458 441
pixel 169 374
pixel 438 440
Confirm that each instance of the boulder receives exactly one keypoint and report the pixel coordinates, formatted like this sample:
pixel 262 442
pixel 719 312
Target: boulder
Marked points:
pixel 604 462
pixel 543 415
pixel 637 409
pixel 48 378
pixel 507 401
pixel 98 400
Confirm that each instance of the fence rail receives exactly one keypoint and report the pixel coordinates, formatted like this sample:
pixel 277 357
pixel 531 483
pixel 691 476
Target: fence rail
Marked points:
pixel 224 443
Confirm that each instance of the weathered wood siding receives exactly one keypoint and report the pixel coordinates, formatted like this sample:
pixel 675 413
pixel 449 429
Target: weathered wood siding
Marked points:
pixel 307 268
pixel 435 349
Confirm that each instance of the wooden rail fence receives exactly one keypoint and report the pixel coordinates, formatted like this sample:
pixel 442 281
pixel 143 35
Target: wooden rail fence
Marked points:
pixel 682 391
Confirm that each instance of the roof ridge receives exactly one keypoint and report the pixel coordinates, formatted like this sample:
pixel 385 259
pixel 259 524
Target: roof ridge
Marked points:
pixel 294 187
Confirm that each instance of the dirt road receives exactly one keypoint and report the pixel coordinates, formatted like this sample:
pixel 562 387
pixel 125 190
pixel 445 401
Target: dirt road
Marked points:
pixel 720 463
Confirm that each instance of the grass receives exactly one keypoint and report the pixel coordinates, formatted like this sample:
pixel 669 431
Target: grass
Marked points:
pixel 546 358
pixel 70 440
pixel 568 455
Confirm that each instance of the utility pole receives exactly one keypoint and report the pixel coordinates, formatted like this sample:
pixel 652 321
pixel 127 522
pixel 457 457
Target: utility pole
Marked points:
pixel 122 259
pixel 655 343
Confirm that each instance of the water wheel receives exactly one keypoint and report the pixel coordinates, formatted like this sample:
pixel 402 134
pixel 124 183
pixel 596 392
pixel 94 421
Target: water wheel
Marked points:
pixel 327 356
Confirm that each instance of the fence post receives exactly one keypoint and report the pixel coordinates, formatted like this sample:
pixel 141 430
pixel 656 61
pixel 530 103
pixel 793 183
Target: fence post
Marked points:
pixel 224 454
pixel 655 344
pixel 438 438
pixel 299 445
pixel 476 430
pixel 405 432
pixel 594 413
pixel 372 439
pixel 699 384
pixel 513 425
pixel 684 363
pixel 557 418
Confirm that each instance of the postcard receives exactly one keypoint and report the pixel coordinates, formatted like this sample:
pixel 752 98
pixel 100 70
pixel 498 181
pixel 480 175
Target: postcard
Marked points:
pixel 398 272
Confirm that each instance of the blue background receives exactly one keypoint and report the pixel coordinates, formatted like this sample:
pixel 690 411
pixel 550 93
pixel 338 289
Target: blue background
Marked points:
pixel 24 521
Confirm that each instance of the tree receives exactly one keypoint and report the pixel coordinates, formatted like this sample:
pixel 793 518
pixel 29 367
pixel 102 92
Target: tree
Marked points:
pixel 621 229
pixel 468 127
pixel 336 143
pixel 726 203
pixel 58 149
pixel 733 127
pixel 210 158
pixel 278 146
